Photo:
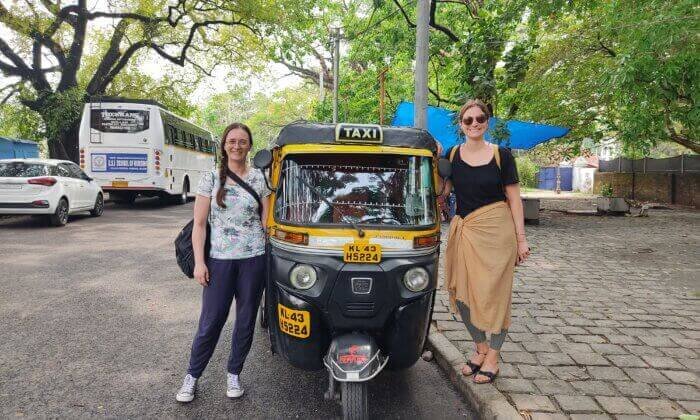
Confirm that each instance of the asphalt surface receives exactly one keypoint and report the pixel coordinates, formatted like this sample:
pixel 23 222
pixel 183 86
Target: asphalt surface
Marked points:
pixel 97 320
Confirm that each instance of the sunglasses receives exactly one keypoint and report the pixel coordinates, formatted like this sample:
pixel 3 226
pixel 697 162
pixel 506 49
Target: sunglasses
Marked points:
pixel 480 119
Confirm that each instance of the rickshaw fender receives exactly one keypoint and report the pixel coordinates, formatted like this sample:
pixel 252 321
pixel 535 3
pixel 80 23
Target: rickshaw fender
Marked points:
pixel 305 352
pixel 354 357
pixel 409 331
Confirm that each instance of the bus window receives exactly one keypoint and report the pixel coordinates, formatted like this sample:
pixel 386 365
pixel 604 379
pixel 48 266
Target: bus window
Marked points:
pixel 119 120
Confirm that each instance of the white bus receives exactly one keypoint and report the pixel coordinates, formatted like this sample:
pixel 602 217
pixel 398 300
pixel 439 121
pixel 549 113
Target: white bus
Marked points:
pixel 137 147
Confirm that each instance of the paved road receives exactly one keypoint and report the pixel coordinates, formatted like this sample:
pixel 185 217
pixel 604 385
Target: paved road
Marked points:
pixel 97 321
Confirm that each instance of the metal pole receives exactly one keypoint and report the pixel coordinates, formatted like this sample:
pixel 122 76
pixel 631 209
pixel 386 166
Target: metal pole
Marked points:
pixel 382 94
pixel 336 66
pixel 321 88
pixel 420 102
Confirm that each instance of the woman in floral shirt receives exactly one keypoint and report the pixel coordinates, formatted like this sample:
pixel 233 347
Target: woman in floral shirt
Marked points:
pixel 235 266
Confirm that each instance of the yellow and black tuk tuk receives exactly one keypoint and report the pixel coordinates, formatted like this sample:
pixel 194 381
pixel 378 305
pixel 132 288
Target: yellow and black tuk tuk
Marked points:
pixel 354 235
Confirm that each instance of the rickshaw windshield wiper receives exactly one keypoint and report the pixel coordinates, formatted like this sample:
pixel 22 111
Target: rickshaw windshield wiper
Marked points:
pixel 360 232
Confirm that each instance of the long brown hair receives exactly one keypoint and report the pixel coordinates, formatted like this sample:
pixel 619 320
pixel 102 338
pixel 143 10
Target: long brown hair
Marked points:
pixel 474 103
pixel 224 160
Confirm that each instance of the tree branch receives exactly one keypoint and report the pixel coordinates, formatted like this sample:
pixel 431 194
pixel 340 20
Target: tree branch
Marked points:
pixel 69 76
pixel 12 92
pixel 180 60
pixel 21 69
pixel 605 49
pixel 307 74
pixel 434 24
pixel 441 99
pixel 405 16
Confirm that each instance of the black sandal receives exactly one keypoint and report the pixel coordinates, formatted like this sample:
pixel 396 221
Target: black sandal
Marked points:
pixel 490 375
pixel 473 366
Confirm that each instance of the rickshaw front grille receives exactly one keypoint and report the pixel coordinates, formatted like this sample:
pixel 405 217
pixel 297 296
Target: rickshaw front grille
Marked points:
pixel 360 307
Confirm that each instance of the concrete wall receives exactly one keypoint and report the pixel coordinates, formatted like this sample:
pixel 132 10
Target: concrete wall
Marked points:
pixel 672 188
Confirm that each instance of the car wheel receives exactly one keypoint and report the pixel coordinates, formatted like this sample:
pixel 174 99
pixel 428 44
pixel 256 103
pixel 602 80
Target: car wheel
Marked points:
pixel 60 216
pixel 99 206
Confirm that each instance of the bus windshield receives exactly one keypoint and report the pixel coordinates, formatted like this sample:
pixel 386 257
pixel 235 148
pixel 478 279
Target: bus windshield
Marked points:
pixel 119 120
pixel 363 189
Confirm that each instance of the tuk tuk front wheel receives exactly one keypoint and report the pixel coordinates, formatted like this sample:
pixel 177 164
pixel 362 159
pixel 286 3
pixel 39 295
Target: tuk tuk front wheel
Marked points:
pixel 353 397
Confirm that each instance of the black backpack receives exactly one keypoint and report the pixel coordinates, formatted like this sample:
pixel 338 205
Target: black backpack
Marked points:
pixel 184 252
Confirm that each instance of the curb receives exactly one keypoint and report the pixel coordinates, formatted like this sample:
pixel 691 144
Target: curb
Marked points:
pixel 486 400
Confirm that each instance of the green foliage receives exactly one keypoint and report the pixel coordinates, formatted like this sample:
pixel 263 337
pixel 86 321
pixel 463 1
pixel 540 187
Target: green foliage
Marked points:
pixel 61 111
pixel 606 190
pixel 17 121
pixel 264 114
pixel 527 171
pixel 501 133
pixel 621 69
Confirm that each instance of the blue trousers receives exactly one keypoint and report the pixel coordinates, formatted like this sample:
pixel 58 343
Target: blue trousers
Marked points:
pixel 228 279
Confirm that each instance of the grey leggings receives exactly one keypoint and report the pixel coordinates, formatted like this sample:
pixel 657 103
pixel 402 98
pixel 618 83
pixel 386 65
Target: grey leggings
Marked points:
pixel 479 336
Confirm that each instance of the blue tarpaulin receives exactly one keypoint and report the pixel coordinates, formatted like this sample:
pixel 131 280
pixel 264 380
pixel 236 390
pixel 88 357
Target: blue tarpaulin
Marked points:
pixel 16 148
pixel 442 124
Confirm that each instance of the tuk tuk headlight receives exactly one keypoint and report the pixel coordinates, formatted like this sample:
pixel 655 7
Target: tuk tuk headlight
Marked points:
pixel 416 279
pixel 303 277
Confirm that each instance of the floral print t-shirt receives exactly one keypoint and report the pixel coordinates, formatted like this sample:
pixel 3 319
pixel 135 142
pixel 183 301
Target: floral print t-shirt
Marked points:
pixel 236 231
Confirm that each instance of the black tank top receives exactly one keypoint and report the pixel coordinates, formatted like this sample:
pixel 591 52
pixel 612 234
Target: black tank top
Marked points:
pixel 478 186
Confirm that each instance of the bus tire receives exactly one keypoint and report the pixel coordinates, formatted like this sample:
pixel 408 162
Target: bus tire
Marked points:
pixel 182 198
pixel 124 197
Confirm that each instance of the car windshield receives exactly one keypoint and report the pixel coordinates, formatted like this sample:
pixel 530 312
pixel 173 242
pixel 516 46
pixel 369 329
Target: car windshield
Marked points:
pixel 22 169
pixel 363 189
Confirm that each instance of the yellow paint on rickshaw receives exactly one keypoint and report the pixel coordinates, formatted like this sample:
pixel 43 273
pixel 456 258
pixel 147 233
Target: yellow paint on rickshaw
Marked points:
pixel 314 148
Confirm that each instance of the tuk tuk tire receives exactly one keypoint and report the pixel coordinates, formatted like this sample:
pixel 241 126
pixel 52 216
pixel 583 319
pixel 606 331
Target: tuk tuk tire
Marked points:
pixel 353 397
pixel 262 313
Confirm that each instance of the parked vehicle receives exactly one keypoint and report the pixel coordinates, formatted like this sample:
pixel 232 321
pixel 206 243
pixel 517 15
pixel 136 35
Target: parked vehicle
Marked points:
pixel 137 147
pixel 354 236
pixel 55 188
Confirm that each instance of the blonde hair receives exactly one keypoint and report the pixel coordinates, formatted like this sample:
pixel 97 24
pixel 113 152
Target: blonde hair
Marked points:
pixel 474 103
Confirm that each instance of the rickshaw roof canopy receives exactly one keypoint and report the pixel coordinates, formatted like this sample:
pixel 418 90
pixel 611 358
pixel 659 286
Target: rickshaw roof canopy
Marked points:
pixel 323 133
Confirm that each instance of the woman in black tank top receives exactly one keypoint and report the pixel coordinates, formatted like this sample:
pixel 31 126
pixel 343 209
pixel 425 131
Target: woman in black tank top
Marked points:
pixel 488 232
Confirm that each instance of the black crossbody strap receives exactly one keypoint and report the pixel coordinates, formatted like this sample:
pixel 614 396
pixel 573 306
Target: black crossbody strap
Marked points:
pixel 246 187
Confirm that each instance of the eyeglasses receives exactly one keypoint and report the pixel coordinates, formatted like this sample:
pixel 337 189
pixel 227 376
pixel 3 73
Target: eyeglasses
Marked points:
pixel 241 142
pixel 480 119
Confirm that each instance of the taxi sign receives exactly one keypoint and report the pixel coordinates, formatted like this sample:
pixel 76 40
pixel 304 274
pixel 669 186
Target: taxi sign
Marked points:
pixel 358 133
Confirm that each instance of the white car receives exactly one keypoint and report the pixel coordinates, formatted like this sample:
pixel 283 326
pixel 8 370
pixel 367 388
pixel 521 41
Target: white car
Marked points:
pixel 52 187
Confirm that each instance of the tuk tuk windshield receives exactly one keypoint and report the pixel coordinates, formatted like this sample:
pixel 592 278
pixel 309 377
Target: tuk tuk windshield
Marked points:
pixel 394 190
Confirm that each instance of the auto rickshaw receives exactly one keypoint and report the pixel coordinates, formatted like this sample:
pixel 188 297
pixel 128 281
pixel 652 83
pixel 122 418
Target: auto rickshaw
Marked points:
pixel 354 239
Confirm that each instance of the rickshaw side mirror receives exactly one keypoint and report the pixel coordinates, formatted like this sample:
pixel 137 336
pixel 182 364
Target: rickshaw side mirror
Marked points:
pixel 262 159
pixel 444 168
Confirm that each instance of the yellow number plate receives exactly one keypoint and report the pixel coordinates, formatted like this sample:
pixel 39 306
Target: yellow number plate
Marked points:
pixel 293 322
pixel 362 253
pixel 120 184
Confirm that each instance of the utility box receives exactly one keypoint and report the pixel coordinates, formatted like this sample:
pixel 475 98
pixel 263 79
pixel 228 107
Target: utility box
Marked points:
pixel 531 209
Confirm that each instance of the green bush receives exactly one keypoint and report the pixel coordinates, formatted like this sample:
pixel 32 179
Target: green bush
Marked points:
pixel 606 190
pixel 527 171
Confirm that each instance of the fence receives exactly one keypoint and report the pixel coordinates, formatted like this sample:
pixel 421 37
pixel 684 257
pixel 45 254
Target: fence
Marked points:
pixel 679 164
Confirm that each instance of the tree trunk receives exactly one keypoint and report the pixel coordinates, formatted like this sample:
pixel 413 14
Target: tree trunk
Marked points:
pixel 65 146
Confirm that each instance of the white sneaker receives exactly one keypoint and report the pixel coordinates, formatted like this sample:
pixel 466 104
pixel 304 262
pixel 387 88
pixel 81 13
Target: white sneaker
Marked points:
pixel 233 386
pixel 186 392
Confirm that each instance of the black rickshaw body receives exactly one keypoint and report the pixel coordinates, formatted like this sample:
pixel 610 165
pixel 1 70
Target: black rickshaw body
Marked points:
pixel 357 204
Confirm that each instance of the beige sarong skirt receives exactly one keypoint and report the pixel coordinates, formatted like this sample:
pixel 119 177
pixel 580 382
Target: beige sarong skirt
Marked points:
pixel 480 261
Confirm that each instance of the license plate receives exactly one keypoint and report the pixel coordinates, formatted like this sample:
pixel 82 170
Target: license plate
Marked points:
pixel 120 184
pixel 362 253
pixel 294 322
